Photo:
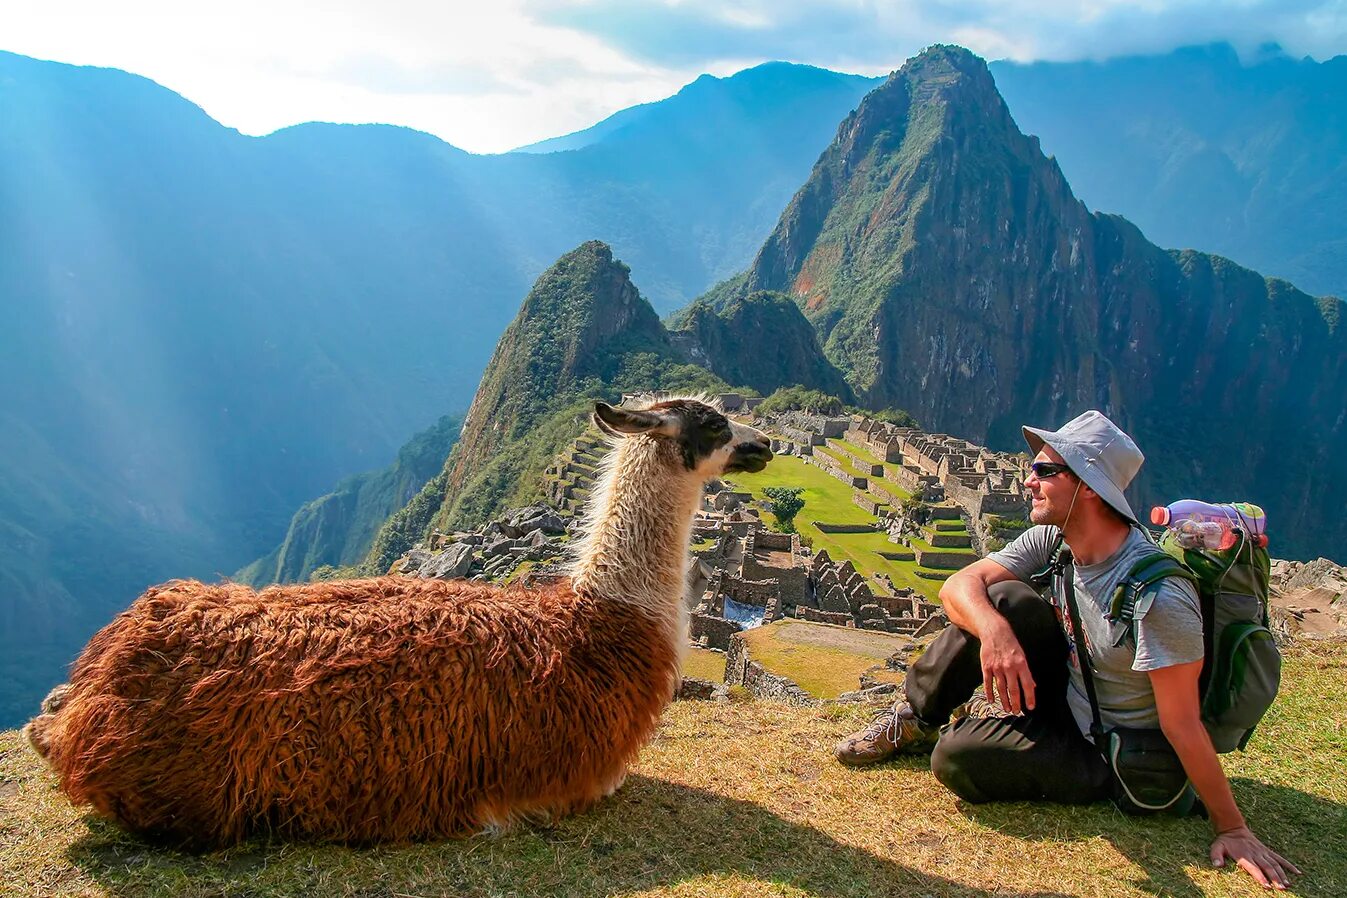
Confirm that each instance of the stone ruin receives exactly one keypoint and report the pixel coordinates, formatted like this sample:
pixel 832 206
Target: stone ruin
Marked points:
pixel 841 596
pixel 494 552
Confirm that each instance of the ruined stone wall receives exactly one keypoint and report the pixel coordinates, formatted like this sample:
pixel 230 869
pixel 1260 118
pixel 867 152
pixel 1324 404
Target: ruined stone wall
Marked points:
pixel 831 465
pixel 860 464
pixel 824 617
pixel 778 542
pixel 870 503
pixel 741 670
pixel 711 631
pixel 749 592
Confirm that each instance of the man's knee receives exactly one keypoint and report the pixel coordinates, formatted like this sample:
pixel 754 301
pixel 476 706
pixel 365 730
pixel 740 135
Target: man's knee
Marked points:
pixel 1021 605
pixel 953 761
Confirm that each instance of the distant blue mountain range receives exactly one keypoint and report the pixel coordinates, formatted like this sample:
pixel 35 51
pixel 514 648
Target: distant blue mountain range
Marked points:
pixel 200 331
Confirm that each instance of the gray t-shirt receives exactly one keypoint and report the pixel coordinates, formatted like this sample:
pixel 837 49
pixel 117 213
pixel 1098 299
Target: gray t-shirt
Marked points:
pixel 1169 633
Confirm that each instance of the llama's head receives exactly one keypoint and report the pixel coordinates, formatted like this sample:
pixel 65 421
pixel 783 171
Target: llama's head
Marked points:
pixel 689 433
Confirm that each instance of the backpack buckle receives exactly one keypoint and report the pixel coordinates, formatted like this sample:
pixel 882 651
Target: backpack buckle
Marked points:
pixel 1124 604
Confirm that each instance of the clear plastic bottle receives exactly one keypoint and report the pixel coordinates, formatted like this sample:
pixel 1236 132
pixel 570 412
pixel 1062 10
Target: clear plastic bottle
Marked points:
pixel 1207 525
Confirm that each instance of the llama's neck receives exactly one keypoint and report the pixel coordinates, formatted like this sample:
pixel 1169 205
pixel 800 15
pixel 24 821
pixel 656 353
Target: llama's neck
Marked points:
pixel 636 530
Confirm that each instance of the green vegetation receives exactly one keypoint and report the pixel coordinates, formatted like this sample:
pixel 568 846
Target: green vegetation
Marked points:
pixel 895 416
pixel 798 398
pixel 406 527
pixel 786 504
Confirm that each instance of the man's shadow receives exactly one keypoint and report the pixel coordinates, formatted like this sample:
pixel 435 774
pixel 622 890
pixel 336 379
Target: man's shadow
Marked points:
pixel 651 834
pixel 1305 829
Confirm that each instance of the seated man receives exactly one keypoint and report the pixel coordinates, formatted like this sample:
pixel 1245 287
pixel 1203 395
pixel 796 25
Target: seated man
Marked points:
pixel 1018 648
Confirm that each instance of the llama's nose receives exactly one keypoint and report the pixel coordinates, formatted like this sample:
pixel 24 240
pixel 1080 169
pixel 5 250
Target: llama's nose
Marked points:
pixel 759 446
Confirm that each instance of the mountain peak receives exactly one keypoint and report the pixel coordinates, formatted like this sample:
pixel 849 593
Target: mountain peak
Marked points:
pixel 573 334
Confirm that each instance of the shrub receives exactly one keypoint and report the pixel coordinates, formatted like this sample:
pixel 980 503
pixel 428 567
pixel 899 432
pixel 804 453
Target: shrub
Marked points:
pixel 895 416
pixel 786 504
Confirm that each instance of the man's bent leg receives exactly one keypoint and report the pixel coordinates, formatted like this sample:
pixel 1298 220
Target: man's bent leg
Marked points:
pixel 951 668
pixel 1027 758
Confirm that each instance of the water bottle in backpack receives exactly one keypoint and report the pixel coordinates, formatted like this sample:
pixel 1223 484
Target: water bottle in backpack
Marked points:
pixel 1204 525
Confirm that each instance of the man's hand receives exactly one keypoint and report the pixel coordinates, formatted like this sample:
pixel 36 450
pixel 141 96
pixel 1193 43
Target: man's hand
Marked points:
pixel 1005 670
pixel 1253 857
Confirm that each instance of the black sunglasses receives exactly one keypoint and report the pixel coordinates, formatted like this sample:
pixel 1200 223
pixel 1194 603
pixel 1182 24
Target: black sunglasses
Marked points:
pixel 1045 469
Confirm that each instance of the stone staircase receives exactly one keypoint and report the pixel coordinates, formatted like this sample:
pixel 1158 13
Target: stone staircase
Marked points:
pixel 571 476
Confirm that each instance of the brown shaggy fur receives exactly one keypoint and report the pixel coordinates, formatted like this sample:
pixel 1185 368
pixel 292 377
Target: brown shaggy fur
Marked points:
pixel 362 721
pixel 394 708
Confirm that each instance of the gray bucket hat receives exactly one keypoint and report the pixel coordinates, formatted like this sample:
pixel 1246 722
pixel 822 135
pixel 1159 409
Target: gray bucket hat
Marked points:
pixel 1098 452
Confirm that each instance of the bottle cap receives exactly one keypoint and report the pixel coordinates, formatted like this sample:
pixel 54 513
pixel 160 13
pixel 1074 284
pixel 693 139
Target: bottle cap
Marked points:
pixel 1160 515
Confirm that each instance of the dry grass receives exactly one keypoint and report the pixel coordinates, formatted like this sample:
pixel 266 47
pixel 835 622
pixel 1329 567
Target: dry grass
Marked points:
pixel 823 667
pixel 745 800
pixel 704 664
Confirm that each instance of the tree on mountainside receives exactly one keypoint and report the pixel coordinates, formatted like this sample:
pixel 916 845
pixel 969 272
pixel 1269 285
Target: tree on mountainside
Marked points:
pixel 786 504
pixel 895 416
pixel 797 398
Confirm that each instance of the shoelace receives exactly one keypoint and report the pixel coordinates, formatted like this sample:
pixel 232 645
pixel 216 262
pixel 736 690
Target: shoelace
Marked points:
pixel 886 723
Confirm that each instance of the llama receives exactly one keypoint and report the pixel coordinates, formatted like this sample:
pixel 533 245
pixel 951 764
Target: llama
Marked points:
pixel 392 708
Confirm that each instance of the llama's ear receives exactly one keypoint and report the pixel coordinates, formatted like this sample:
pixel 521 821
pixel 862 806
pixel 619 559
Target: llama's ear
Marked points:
pixel 621 421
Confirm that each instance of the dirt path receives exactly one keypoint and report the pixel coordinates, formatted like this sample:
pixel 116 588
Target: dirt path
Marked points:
pixel 847 639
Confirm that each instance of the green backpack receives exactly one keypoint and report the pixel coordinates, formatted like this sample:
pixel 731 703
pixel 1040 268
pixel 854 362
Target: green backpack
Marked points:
pixel 1241 668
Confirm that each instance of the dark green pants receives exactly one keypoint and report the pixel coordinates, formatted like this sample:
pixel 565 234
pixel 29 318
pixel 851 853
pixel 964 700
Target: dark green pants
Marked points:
pixel 1038 756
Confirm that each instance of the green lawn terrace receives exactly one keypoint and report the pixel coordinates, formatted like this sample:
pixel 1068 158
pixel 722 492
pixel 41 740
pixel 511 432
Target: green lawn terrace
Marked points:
pixel 848 531
pixel 890 467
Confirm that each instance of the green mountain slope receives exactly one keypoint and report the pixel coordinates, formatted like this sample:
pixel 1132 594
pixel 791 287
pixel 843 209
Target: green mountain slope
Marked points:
pixel 337 529
pixel 1198 149
pixel 584 332
pixel 760 340
pixel 941 256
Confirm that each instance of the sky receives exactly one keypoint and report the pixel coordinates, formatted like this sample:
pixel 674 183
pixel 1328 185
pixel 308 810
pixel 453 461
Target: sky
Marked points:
pixel 491 76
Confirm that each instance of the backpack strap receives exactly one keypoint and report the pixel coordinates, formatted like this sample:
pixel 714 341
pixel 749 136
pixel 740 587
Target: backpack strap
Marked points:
pixel 1132 597
pixel 1058 559
pixel 1068 575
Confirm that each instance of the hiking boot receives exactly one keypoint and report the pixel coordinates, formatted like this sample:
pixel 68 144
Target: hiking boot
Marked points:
pixel 894 731
pixel 979 708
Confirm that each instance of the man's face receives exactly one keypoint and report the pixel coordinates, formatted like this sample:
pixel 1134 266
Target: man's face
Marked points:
pixel 1050 493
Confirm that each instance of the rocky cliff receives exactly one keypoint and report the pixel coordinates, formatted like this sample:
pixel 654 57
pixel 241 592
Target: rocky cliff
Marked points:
pixel 584 332
pixel 950 271
pixel 759 340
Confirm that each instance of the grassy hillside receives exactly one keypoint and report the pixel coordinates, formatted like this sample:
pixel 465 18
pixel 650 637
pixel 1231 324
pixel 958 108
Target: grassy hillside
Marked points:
pixel 735 800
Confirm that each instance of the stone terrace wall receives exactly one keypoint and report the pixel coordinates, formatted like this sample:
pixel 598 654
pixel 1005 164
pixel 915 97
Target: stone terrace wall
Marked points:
pixel 741 670
pixel 831 465
pixel 824 617
pixel 711 631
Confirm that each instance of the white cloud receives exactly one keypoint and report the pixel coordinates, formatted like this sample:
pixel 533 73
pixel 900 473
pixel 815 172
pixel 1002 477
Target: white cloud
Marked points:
pixel 484 77
pixel 489 76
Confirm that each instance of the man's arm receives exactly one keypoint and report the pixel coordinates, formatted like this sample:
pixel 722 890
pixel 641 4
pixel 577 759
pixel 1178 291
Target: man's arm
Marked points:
pixel 1005 669
pixel 1176 699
